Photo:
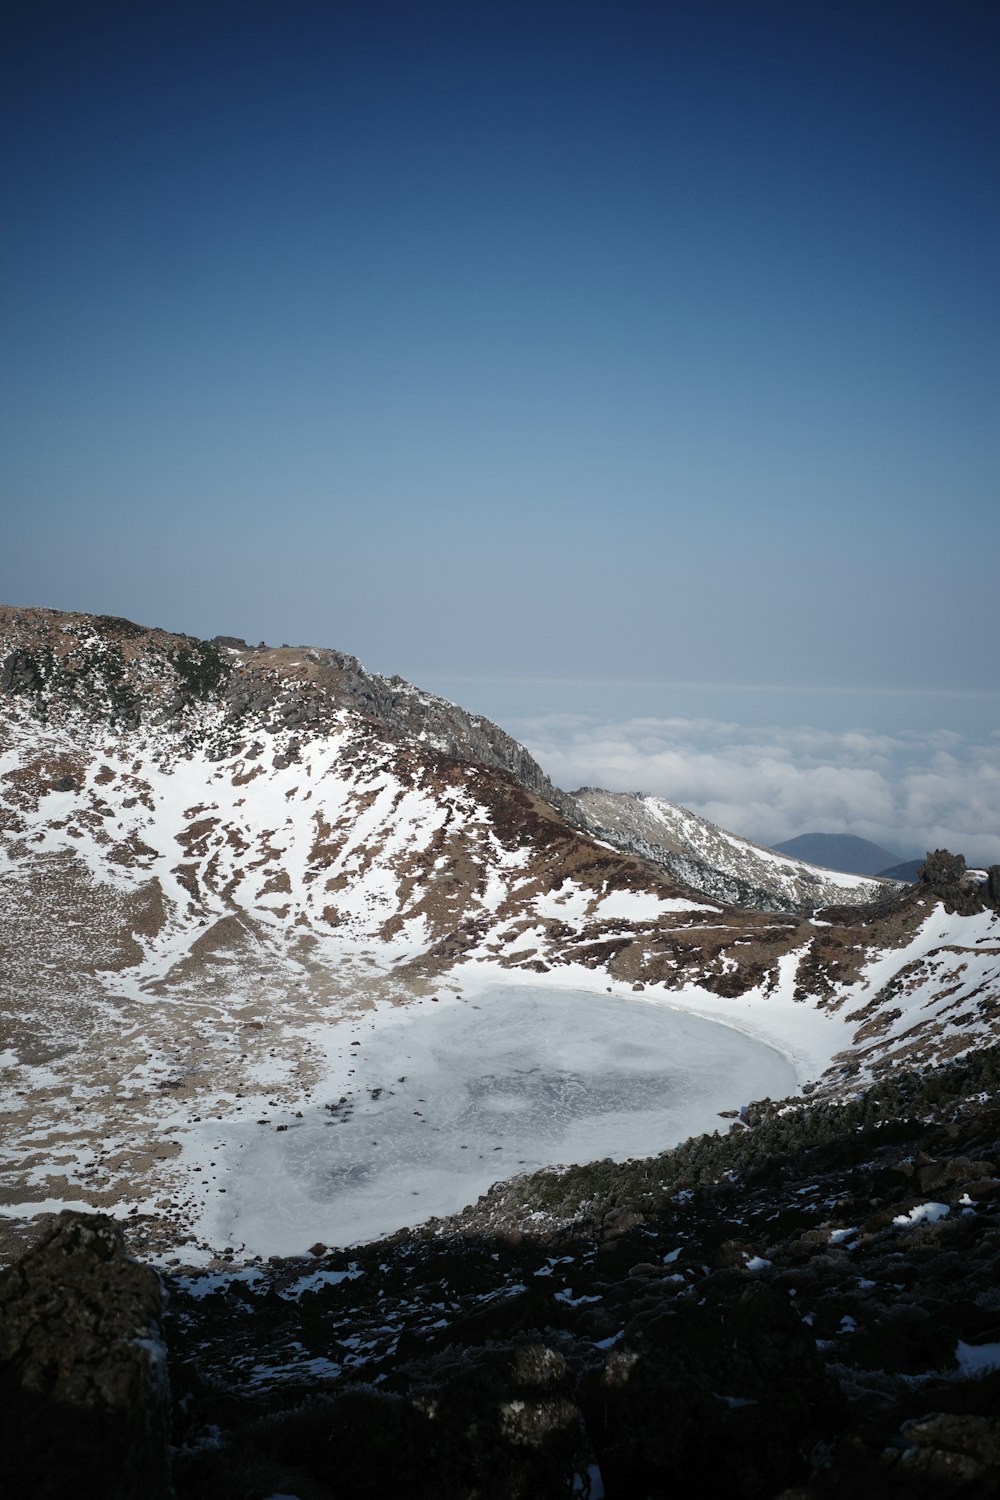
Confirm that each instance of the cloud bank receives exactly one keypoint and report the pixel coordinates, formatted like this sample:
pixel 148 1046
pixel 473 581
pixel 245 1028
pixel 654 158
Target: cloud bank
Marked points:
pixel 908 792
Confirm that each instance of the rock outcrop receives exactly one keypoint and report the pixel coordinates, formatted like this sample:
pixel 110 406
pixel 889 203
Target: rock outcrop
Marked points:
pixel 961 890
pixel 128 675
pixel 84 1390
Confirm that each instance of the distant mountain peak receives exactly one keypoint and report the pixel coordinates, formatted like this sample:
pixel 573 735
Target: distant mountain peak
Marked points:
pixel 840 851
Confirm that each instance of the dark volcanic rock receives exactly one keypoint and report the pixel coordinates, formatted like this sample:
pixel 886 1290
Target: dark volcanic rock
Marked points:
pixel 84 1394
pixel 494 1423
pixel 942 870
pixel 19 673
pixel 960 890
pixel 949 1455
pixel 702 1399
pixel 506 1418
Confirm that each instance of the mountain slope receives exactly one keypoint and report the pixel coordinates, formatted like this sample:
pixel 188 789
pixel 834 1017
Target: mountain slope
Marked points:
pixel 214 866
pixel 110 666
pixel 721 865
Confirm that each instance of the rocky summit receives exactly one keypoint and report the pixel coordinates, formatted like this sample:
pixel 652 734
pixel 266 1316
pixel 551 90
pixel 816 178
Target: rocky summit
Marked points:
pixel 223 866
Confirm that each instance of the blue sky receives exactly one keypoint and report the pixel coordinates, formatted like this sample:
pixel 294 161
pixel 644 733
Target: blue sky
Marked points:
pixel 520 349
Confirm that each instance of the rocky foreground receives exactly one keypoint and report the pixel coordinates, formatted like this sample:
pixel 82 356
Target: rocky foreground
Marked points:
pixel 803 1309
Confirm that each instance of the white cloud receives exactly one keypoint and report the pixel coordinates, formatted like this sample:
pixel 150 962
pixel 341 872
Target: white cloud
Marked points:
pixel 909 792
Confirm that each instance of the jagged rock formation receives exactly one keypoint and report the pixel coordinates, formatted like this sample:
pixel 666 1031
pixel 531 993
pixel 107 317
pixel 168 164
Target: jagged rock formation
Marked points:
pixel 961 890
pixel 84 1391
pixel 721 865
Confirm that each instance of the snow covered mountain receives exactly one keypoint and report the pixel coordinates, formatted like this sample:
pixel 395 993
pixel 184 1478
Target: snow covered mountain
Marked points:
pixel 719 864
pixel 223 865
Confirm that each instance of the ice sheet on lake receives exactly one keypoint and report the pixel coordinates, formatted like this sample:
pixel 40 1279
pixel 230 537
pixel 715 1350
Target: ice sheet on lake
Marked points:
pixel 439 1103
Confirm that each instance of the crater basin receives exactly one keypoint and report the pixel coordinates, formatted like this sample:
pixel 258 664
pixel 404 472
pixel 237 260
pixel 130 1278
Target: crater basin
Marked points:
pixel 439 1101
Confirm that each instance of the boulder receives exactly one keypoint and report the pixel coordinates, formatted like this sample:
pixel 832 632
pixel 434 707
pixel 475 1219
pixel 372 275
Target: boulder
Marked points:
pixel 84 1392
pixel 19 673
pixel 951 882
pixel 491 1423
pixel 948 1454
pixel 942 870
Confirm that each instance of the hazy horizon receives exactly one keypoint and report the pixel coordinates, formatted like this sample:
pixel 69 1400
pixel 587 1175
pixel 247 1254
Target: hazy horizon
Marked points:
pixel 635 361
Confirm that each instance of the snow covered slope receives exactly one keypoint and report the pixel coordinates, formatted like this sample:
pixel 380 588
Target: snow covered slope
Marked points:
pixel 217 871
pixel 720 864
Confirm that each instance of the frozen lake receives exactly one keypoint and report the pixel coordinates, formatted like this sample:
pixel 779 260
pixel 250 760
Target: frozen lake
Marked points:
pixel 431 1104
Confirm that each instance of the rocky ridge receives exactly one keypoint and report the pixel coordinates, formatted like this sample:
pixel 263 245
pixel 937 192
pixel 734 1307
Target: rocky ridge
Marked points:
pixel 132 675
pixel 721 865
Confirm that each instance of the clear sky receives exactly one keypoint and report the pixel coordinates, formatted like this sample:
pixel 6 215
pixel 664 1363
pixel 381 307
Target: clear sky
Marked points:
pixel 572 356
